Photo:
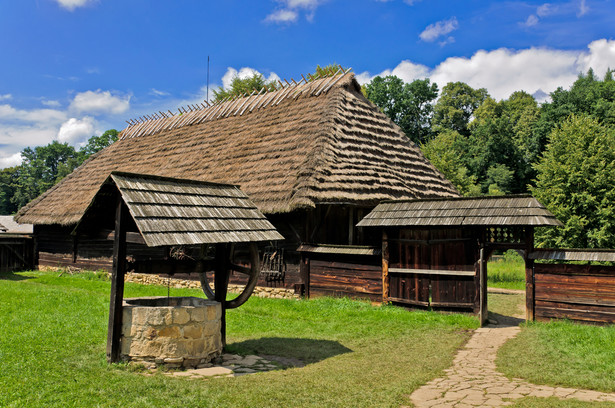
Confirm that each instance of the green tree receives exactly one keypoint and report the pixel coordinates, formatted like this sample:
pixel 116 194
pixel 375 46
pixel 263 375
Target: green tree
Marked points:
pixel 456 106
pixel 575 181
pixel 97 143
pixel 8 186
pixel 243 86
pixel 444 152
pixel 408 105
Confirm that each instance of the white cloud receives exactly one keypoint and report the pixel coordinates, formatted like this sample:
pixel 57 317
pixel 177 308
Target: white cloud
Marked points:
pixel 537 71
pixel 100 102
pixel 6 97
pixel 157 92
pixel 545 10
pixel 76 130
pixel 600 57
pixel 71 5
pixel 282 16
pixel 289 11
pixel 243 73
pixel 11 114
pixel 439 29
pixel 531 21
pixel 583 8
pixel 51 103
pixel 10 161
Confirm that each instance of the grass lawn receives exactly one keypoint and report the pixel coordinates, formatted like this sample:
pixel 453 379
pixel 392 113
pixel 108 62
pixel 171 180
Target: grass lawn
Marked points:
pixel 507 272
pixel 533 402
pixel 53 334
pixel 561 353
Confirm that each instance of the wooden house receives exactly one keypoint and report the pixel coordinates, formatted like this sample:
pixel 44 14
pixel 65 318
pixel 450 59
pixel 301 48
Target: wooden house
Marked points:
pixel 315 157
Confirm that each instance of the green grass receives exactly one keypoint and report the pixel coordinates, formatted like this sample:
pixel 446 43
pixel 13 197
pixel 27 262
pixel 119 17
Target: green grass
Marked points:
pixel 53 335
pixel 534 402
pixel 507 272
pixel 561 353
pixel 500 304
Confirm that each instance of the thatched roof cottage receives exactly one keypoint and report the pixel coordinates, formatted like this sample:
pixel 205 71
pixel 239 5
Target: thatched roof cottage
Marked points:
pixel 314 157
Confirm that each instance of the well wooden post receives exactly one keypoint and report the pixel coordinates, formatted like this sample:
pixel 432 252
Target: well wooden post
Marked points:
pixel 530 303
pixel 221 278
pixel 385 267
pixel 117 284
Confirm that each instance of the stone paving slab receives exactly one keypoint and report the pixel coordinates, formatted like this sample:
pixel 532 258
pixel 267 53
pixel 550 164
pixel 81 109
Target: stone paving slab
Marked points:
pixel 473 380
pixel 234 365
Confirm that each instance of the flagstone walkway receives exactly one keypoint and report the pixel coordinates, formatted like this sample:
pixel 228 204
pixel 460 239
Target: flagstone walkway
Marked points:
pixel 473 380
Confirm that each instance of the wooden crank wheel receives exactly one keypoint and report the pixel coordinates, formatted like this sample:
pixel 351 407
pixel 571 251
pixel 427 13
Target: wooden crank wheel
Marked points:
pixel 252 271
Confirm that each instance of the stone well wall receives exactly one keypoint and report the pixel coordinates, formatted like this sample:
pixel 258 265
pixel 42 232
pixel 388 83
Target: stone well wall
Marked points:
pixel 174 332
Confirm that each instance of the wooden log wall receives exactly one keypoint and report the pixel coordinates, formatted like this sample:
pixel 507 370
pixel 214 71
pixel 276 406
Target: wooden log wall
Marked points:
pixel 584 293
pixel 16 253
pixel 356 276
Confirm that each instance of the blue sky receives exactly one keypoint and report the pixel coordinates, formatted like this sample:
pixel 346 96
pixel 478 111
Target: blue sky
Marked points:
pixel 74 68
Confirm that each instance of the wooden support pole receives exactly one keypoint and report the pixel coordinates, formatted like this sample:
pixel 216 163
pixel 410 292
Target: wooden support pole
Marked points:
pixel 385 267
pixel 221 278
pixel 530 289
pixel 483 312
pixel 117 284
pixel 304 272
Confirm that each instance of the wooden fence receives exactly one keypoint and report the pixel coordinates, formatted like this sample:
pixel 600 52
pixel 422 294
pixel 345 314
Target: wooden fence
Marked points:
pixel 577 292
pixel 16 253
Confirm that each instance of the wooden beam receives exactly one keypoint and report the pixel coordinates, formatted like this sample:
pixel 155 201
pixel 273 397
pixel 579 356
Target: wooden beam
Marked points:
pixel 530 288
pixel 304 272
pixel 117 284
pixel 431 272
pixel 483 312
pixel 221 278
pixel 385 267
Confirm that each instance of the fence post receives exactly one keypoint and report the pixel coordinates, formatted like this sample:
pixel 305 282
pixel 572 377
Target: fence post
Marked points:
pixel 530 303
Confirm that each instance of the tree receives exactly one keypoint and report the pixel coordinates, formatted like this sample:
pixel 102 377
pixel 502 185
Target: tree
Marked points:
pixel 44 166
pixel 456 106
pixel 97 143
pixel 243 86
pixel 8 186
pixel 408 105
pixel 575 180
pixel 444 153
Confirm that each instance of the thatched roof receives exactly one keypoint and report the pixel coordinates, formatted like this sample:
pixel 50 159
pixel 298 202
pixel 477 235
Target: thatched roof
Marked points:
pixel 169 211
pixel 520 210
pixel 8 225
pixel 316 142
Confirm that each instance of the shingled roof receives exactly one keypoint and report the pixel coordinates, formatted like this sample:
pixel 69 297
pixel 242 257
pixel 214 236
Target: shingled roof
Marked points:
pixel 169 211
pixel 519 210
pixel 306 143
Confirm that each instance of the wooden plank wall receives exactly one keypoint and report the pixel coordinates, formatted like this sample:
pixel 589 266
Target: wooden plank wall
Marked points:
pixel 357 276
pixel 435 249
pixel 16 253
pixel 583 293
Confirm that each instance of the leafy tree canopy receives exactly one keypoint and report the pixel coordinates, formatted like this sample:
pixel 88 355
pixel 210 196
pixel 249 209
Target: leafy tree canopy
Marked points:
pixel 575 180
pixel 244 86
pixel 456 105
pixel 408 105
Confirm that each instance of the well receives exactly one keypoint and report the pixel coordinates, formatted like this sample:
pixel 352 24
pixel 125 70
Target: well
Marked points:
pixel 171 331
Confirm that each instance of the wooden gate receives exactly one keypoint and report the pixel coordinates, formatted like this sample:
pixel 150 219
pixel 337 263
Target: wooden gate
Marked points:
pixel 16 253
pixel 431 268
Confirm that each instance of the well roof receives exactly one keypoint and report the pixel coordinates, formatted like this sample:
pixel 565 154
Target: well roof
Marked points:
pixel 169 211
pixel 520 210
pixel 301 145
pixel 8 225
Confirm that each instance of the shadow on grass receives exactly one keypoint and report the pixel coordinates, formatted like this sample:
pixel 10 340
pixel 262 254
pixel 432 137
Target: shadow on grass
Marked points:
pixel 305 350
pixel 12 276
pixel 505 321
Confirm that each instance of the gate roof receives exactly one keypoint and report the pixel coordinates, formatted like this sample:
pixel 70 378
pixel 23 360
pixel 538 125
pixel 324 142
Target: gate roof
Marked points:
pixel 517 210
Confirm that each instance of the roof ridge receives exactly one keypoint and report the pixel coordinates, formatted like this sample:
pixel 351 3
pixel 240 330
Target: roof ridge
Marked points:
pixel 199 113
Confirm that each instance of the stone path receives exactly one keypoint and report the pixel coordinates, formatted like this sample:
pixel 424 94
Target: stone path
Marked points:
pixel 233 365
pixel 473 380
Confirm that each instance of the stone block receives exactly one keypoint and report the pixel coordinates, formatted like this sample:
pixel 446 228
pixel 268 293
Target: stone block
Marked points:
pixel 196 347
pixel 170 331
pixel 198 314
pixel 194 331
pixel 150 333
pixel 180 315
pixel 211 328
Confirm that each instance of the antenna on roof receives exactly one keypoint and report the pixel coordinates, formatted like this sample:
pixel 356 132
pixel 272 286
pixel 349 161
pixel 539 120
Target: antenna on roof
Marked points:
pixel 207 80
